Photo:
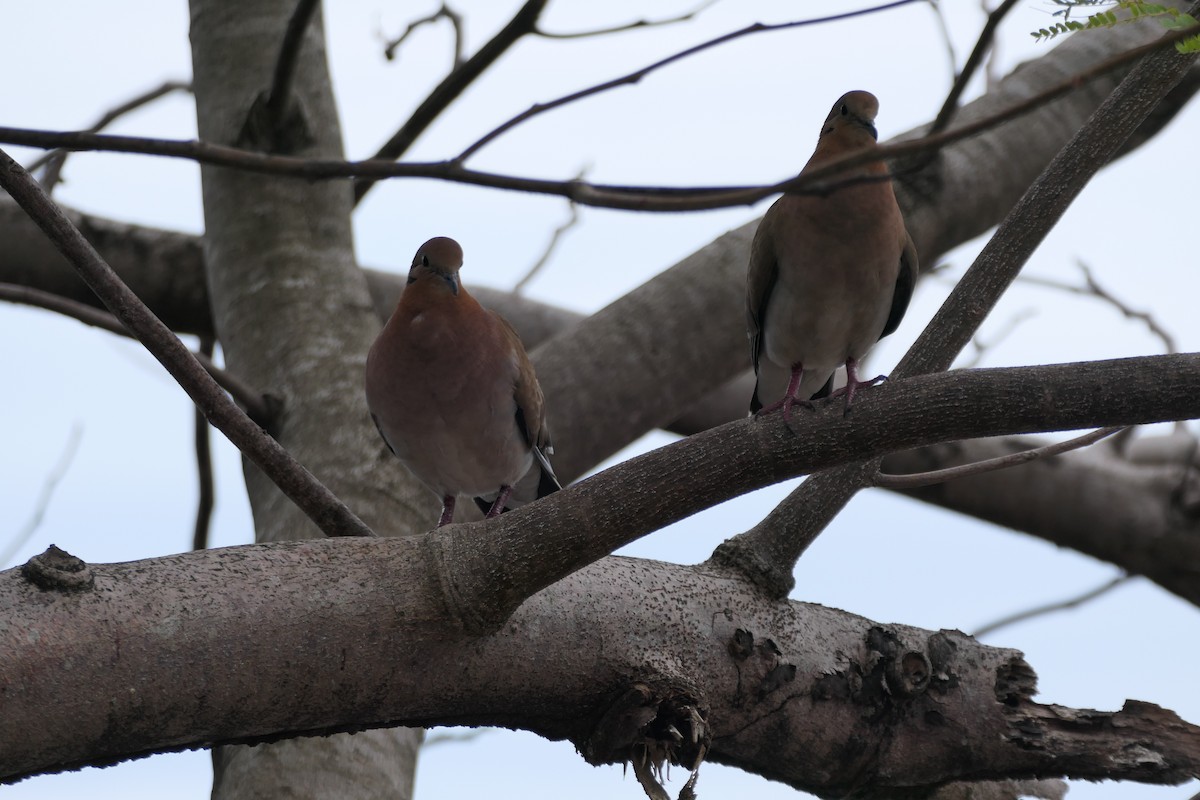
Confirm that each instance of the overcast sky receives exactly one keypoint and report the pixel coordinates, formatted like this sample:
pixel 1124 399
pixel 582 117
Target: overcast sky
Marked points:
pixel 745 112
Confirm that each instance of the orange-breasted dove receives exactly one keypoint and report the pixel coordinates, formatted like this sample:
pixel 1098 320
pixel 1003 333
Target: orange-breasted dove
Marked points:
pixel 453 392
pixel 829 274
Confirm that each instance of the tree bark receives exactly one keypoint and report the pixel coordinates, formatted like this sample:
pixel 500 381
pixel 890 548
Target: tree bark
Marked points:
pixel 291 308
pixel 821 699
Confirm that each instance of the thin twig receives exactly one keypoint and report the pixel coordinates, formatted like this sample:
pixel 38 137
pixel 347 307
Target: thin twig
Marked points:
pixel 982 46
pixel 315 499
pixel 285 65
pixel 552 245
pixel 918 479
pixel 445 12
pixel 981 346
pixel 641 23
pixel 1049 608
pixel 435 739
pixel 948 40
pixel 53 478
pixel 206 493
pixel 1092 288
pixel 524 22
pixel 637 75
pixel 55 159
pixel 256 404
pixel 634 198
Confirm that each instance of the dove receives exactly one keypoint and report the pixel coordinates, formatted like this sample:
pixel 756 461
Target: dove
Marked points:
pixel 829 274
pixel 454 394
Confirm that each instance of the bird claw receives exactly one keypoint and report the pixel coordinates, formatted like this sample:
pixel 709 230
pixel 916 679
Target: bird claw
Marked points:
pixel 851 388
pixel 786 404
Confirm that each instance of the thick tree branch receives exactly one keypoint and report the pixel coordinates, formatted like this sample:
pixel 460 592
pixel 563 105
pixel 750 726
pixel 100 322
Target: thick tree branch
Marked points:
pixel 492 567
pixel 775 690
pixel 768 552
pixel 305 490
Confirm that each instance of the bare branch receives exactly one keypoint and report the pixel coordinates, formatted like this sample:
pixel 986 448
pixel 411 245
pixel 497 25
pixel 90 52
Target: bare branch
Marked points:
pixel 279 96
pixel 635 198
pixel 982 46
pixel 309 494
pixel 523 22
pixel 43 499
pixel 258 406
pixel 555 237
pixel 1092 288
pixel 917 479
pixel 947 40
pixel 636 76
pixel 641 23
pixel 205 494
pixel 445 12
pixel 1050 608
pixel 767 553
pixel 981 346
pixel 55 159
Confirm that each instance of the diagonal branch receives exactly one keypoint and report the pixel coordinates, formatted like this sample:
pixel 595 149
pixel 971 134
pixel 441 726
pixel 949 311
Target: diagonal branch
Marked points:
pixel 55 159
pixel 584 522
pixel 259 407
pixel 280 93
pixel 914 480
pixel 524 22
pixel 53 478
pixel 1050 608
pixel 982 46
pixel 636 76
pixel 767 553
pixel 329 513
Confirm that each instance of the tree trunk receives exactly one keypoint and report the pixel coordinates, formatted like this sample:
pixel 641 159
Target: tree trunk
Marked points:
pixel 292 312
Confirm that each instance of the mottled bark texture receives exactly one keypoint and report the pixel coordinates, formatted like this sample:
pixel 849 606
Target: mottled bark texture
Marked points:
pixel 626 649
pixel 291 308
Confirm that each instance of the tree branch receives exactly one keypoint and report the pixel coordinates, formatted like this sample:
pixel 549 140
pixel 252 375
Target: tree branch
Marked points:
pixel 456 21
pixel 641 23
pixel 42 502
pixel 1144 518
pixel 580 524
pixel 55 159
pixel 637 75
pixel 306 491
pixel 279 97
pixel 205 490
pixel 523 22
pixel 980 51
pixel 617 196
pixel 767 553
pixel 915 480
pixel 776 690
pixel 259 407
pixel 1050 608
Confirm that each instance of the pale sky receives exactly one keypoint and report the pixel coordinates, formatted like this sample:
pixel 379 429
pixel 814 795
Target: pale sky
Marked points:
pixel 742 113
